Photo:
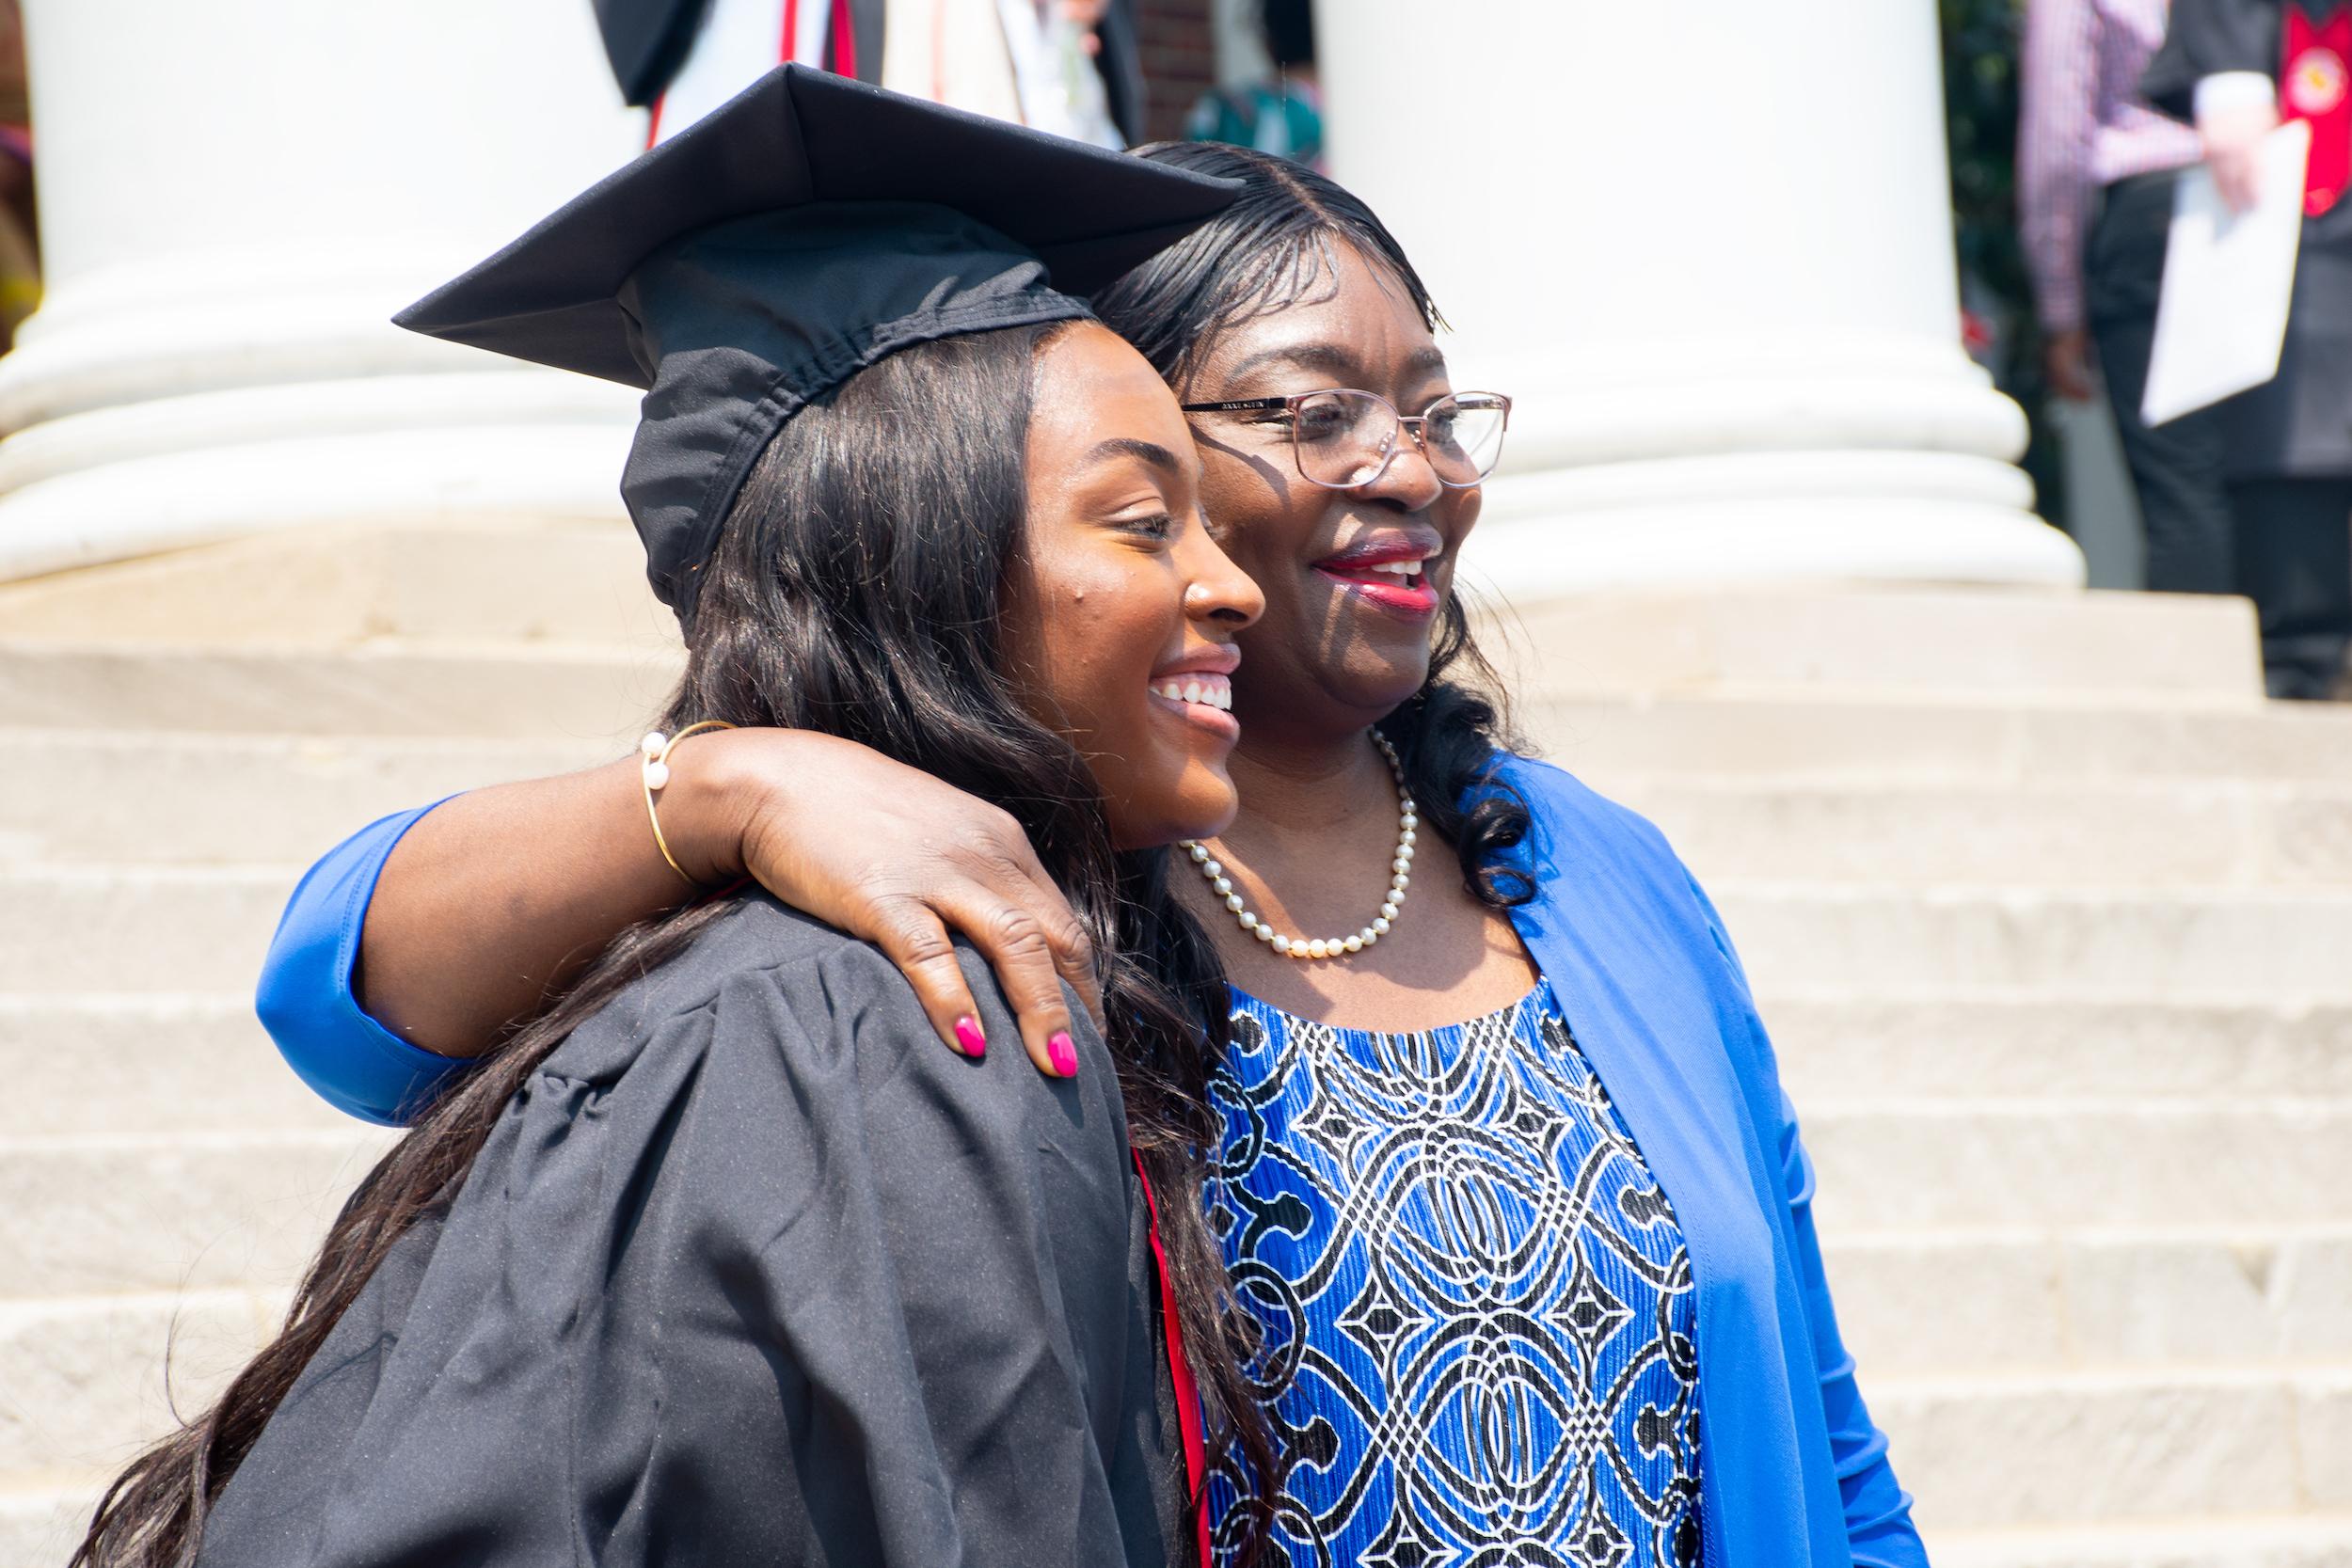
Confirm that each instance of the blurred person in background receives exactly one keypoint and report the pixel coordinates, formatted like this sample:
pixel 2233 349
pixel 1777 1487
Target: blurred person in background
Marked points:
pixel 1283 117
pixel 2237 69
pixel 1058 61
pixel 20 245
pixel 2096 168
pixel 20 233
pixel 1070 67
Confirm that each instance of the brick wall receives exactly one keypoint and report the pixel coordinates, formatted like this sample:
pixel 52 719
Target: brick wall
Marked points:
pixel 1178 62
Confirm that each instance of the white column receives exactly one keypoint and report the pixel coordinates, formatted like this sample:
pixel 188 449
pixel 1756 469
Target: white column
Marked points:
pixel 1707 246
pixel 235 196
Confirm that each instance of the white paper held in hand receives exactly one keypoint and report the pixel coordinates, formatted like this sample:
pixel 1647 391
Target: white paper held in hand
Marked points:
pixel 2228 281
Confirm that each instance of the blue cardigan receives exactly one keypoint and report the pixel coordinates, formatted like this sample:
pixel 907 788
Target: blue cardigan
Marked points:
pixel 1796 1474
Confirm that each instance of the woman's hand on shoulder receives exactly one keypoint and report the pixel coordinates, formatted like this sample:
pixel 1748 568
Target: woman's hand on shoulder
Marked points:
pixel 894 857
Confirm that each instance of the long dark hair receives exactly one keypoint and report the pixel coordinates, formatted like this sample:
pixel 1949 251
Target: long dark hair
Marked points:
pixel 1269 250
pixel 855 591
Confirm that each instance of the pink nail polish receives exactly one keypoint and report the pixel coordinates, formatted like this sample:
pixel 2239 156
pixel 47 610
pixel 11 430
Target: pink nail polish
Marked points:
pixel 968 1036
pixel 1063 1055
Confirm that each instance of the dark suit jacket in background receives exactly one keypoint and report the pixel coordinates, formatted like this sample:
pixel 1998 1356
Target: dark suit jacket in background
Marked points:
pixel 2299 425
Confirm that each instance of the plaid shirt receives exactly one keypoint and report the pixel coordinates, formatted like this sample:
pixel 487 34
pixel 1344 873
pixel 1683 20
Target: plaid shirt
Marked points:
pixel 2083 125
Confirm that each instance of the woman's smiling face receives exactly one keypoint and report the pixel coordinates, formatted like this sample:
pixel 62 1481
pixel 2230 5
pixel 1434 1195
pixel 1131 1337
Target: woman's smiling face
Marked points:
pixel 1120 623
pixel 1352 578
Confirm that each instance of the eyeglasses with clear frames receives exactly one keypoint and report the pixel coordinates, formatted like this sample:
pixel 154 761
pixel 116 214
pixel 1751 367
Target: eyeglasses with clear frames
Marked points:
pixel 1343 438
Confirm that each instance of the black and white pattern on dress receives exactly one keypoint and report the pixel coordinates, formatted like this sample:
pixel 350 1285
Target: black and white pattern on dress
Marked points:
pixel 1480 1337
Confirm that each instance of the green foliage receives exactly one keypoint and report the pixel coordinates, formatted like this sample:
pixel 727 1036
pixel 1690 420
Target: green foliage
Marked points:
pixel 1980 44
pixel 1980 107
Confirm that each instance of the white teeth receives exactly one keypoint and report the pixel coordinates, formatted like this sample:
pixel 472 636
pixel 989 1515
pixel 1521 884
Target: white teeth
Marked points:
pixel 1400 568
pixel 1213 692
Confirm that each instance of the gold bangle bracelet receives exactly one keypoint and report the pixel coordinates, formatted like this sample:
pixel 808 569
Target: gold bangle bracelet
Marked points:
pixel 653 770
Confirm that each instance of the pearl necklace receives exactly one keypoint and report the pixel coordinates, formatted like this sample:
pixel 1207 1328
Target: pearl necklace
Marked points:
pixel 1400 878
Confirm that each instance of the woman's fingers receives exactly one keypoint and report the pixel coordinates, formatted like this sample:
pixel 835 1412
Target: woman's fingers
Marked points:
pixel 907 861
pixel 1017 939
pixel 912 935
pixel 1008 866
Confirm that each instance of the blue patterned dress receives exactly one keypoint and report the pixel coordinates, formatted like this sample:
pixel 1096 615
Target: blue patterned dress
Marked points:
pixel 1480 1334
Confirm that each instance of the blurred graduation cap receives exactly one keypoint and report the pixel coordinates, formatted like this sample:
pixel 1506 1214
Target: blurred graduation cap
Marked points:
pixel 809 228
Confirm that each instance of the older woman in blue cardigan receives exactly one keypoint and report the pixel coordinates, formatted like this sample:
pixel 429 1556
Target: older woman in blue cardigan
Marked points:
pixel 1506 1177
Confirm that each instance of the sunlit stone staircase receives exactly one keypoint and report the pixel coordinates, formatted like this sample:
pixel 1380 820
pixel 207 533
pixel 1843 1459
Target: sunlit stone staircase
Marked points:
pixel 2052 918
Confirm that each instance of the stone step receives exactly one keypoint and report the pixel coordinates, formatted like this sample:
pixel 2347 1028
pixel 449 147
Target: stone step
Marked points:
pixel 509 691
pixel 117 1064
pixel 82 1379
pixel 1834 1043
pixel 97 1213
pixel 1999 1458
pixel 173 798
pixel 149 930
pixel 1947 1302
pixel 2167 946
pixel 390 686
pixel 179 798
pixel 521 582
pixel 2173 835
pixel 2310 1540
pixel 1831 736
pixel 1890 1165
pixel 1912 642
pixel 101 1215
pixel 198 1063
pixel 137 931
pixel 584 581
pixel 2090 1447
pixel 42 1520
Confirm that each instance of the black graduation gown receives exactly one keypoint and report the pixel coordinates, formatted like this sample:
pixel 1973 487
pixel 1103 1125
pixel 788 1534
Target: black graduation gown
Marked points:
pixel 2299 425
pixel 753 1271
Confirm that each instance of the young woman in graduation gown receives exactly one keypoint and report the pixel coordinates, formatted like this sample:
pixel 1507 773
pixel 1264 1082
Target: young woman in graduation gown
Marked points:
pixel 1466 1356
pixel 723 1261
pixel 2235 69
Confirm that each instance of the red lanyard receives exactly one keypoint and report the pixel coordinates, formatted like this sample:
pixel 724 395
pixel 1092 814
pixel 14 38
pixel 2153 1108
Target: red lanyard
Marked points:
pixel 1180 1372
pixel 2315 84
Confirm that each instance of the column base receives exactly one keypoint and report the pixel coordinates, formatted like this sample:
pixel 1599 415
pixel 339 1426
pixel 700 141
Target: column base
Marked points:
pixel 1758 460
pixel 171 503
pixel 172 472
pixel 153 406
pixel 1889 517
pixel 1884 644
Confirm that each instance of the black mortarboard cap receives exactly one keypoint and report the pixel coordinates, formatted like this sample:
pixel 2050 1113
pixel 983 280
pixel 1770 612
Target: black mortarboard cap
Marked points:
pixel 761 258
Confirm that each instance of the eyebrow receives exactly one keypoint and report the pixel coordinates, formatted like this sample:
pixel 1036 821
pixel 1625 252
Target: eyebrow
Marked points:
pixel 1128 445
pixel 1332 359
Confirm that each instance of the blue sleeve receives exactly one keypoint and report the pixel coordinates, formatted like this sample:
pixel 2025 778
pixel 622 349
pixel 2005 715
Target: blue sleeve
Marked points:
pixel 1879 1530
pixel 305 1000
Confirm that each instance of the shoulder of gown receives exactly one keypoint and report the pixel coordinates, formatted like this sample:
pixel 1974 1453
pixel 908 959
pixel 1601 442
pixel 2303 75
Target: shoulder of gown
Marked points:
pixel 752 1268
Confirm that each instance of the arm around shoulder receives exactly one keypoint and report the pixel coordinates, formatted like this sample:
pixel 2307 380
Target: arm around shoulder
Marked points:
pixel 305 1000
pixel 931 1253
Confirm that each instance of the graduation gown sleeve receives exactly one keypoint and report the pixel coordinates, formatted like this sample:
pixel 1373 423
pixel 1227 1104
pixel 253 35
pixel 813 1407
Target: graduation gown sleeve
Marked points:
pixel 752 1271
